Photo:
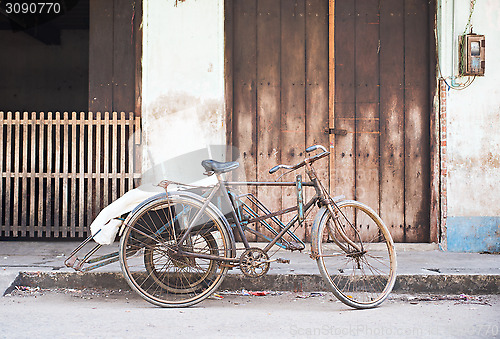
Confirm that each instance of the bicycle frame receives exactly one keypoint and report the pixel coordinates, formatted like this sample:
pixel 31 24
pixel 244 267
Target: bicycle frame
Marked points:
pixel 321 196
pixel 254 217
pixel 222 186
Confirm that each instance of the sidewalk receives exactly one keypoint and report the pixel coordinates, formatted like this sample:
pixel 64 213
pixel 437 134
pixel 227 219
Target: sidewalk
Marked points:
pixel 422 268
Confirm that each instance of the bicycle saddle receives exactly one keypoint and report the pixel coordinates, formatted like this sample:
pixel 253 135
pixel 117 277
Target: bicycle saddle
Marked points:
pixel 219 167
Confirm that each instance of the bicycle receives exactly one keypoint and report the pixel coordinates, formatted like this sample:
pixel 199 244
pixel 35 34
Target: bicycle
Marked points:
pixel 177 247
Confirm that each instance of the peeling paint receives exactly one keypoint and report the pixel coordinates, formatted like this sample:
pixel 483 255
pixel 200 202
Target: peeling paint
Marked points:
pixel 178 124
pixel 183 87
pixel 473 138
pixel 473 234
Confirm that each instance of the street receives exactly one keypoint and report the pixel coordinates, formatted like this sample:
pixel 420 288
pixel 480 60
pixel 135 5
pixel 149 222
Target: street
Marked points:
pixel 66 313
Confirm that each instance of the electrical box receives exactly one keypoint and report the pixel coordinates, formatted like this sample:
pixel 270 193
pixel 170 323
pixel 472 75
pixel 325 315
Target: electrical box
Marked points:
pixel 471 52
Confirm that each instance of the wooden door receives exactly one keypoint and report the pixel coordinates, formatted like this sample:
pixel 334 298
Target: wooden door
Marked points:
pixel 383 58
pixel 115 52
pixel 277 77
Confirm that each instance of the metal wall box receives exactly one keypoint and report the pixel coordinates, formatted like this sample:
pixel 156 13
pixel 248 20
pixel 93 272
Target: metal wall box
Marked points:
pixel 471 54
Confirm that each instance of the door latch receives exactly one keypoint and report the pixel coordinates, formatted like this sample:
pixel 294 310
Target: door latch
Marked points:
pixel 336 131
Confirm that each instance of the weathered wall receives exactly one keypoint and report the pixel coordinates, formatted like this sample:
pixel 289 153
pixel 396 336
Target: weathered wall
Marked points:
pixel 473 125
pixel 183 87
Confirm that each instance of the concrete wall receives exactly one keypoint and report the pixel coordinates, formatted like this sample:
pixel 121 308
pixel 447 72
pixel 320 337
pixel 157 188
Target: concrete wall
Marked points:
pixel 183 87
pixel 473 130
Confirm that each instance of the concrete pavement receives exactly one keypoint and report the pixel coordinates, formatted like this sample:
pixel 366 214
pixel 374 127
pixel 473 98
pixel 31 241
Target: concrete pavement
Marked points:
pixel 110 314
pixel 422 268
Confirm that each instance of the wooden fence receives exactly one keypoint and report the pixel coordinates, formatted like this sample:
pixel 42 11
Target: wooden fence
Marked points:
pixel 58 170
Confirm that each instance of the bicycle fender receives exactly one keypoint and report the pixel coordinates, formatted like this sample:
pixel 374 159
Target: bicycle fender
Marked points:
pixel 193 196
pixel 322 212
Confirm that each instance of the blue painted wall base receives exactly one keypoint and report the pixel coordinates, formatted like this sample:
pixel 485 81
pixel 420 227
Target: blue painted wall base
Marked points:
pixel 473 234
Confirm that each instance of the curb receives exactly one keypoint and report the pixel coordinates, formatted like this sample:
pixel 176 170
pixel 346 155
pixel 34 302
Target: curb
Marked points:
pixel 444 284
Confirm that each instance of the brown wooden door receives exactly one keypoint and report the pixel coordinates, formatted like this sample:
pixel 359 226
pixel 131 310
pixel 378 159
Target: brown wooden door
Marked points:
pixel 277 74
pixel 115 52
pixel 383 58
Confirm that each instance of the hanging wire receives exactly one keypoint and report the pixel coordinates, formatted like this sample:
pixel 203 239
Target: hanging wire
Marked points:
pixel 470 79
pixel 472 4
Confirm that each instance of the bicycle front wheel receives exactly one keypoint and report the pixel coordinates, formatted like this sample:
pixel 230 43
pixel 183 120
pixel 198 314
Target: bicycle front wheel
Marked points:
pixel 164 271
pixel 360 276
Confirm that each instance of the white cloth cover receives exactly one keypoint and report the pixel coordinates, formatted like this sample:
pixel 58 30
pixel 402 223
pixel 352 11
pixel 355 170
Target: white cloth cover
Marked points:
pixel 109 226
pixel 106 222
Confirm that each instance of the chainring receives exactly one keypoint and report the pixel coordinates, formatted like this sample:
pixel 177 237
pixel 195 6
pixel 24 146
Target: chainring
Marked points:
pixel 254 262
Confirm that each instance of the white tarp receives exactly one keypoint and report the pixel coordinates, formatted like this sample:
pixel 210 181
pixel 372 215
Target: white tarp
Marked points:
pixel 105 225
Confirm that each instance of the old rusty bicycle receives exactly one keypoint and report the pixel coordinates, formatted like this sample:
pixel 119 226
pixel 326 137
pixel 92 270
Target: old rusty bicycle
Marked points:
pixel 177 247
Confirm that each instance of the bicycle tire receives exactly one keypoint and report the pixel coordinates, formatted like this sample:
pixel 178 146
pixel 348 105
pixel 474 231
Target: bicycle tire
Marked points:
pixel 360 279
pixel 163 277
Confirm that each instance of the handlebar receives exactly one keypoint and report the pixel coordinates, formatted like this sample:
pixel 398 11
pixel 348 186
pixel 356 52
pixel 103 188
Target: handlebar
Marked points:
pixel 315 147
pixel 303 162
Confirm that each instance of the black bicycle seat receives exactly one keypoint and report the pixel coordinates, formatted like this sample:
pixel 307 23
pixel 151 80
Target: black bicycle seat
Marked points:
pixel 219 167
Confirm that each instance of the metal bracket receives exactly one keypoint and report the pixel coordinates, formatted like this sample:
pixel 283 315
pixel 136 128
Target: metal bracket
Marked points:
pixel 300 199
pixel 79 264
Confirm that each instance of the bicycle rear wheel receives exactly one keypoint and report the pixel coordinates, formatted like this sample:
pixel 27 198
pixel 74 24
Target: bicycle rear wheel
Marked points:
pixel 363 278
pixel 150 259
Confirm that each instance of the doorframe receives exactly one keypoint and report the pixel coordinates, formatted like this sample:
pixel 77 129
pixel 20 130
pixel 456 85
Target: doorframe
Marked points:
pixel 436 218
pixel 228 70
pixel 331 90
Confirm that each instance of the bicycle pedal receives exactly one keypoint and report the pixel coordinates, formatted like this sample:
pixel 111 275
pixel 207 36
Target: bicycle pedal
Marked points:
pixel 282 261
pixel 295 246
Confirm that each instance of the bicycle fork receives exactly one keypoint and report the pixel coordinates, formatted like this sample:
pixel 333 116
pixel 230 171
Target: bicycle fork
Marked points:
pixel 324 196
